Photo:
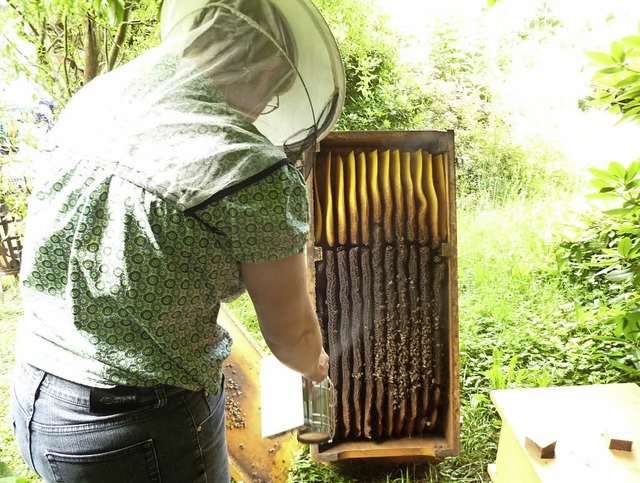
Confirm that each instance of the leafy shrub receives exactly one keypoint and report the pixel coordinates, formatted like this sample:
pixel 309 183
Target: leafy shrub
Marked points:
pixel 618 79
pixel 604 258
pixel 22 135
pixel 13 197
pixel 382 92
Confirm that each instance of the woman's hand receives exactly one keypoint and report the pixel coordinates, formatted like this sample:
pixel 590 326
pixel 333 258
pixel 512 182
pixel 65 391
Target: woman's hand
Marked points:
pixel 321 371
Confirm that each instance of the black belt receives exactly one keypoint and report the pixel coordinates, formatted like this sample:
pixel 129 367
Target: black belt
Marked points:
pixel 126 398
pixel 101 400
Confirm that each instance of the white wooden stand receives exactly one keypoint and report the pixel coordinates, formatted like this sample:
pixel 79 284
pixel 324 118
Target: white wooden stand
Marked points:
pixel 568 434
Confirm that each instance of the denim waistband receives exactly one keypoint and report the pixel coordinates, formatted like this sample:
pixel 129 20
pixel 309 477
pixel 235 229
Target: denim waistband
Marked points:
pixel 100 400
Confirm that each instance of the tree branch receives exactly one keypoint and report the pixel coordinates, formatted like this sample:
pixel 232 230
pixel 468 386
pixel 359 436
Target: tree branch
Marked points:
pixel 35 31
pixel 120 36
pixel 66 56
pixel 105 46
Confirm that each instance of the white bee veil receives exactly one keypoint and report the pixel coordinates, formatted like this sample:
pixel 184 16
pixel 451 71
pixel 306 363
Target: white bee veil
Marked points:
pixel 234 88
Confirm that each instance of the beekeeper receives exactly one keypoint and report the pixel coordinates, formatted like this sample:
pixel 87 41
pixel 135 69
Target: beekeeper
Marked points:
pixel 167 187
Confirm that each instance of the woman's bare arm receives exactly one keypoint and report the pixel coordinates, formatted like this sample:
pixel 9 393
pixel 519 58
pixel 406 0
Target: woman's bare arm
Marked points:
pixel 287 319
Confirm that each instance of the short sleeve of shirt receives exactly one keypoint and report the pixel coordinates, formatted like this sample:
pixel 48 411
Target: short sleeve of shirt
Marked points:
pixel 265 220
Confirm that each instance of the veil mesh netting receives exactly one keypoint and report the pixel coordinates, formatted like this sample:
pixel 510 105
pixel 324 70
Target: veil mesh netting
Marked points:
pixel 234 87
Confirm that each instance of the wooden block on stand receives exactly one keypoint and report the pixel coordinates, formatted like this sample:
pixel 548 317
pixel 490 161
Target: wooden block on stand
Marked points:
pixel 619 437
pixel 541 446
pixel 620 444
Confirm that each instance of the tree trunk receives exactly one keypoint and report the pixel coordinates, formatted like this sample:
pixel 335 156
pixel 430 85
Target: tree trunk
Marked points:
pixel 91 64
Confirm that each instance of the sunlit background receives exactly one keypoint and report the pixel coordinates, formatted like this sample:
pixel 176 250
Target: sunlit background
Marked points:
pixel 548 74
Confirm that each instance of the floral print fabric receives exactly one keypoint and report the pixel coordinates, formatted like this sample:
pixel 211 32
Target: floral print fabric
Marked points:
pixel 122 288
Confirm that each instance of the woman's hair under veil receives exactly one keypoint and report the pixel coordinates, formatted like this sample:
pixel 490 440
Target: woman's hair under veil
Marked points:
pixel 263 49
pixel 249 78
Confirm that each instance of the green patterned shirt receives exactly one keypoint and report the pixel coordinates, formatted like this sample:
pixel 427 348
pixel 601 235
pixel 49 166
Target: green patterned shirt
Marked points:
pixel 122 288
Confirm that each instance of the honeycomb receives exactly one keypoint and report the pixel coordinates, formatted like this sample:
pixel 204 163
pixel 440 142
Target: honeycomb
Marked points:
pixel 380 219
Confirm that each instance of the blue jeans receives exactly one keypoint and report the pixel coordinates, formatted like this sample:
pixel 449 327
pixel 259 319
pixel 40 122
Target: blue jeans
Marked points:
pixel 179 437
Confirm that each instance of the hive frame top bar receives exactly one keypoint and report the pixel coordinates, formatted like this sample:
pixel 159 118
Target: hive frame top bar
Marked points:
pixel 433 141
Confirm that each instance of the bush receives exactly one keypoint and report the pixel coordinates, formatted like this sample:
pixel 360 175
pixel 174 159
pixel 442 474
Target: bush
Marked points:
pixel 617 82
pixel 382 93
pixel 14 190
pixel 604 259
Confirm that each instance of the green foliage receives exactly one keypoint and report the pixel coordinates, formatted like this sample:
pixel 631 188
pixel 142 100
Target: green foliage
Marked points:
pixel 304 470
pixel 7 476
pixel 63 44
pixel 543 25
pixel 618 78
pixel 13 198
pixel 15 179
pixel 604 259
pixel 12 466
pixel 242 308
pixel 13 193
pixel 509 376
pixel 381 92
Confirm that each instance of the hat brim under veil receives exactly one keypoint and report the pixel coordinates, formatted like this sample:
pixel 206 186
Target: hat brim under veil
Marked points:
pixel 310 104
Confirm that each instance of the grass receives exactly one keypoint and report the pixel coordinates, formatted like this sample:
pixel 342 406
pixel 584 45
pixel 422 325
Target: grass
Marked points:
pixel 10 312
pixel 518 328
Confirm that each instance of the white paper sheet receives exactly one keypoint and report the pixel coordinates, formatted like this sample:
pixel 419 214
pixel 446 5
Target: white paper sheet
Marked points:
pixel 282 407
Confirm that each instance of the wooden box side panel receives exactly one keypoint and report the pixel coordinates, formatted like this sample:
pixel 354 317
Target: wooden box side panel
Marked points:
pixel 453 418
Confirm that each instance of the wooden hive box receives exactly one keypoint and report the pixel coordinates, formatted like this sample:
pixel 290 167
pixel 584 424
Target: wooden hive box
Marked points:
pixel 383 263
